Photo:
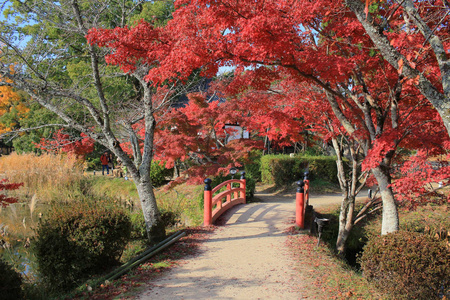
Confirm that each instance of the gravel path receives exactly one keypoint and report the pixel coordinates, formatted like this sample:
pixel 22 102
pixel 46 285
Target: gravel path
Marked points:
pixel 245 259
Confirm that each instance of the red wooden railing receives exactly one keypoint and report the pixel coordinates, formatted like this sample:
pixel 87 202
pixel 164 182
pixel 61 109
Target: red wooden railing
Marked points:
pixel 217 205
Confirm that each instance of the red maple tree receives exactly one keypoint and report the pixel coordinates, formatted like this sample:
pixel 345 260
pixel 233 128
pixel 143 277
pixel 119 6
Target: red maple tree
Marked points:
pixel 320 43
pixel 412 126
pixel 196 134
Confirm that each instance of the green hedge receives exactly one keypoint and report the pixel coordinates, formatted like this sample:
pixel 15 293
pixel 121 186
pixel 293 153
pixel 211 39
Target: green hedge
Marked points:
pixel 253 169
pixel 282 170
pixel 81 239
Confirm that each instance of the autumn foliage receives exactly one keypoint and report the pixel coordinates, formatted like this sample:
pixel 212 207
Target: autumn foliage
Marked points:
pixel 300 65
pixel 197 133
pixel 12 109
pixel 5 186
pixel 63 142
pixel 416 175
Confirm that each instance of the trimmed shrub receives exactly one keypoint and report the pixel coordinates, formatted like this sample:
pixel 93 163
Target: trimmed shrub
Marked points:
pixel 431 220
pixel 169 218
pixel 10 282
pixel 323 167
pixel 253 169
pixel 282 170
pixel 407 265
pixel 250 186
pixel 79 240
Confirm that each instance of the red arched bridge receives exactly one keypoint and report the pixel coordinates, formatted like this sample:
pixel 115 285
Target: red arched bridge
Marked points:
pixel 229 194
pixel 224 196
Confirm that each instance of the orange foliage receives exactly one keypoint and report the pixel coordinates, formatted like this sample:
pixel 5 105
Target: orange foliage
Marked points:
pixel 10 100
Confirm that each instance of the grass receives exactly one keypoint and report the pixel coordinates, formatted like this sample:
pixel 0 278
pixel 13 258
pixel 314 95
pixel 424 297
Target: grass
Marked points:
pixel 113 188
pixel 328 276
pixel 183 200
pixel 48 177
pixel 326 273
pixel 322 186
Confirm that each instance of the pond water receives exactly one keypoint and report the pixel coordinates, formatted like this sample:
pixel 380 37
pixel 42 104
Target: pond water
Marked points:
pixel 17 223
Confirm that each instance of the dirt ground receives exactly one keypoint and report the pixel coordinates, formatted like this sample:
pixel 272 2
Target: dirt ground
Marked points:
pixel 244 259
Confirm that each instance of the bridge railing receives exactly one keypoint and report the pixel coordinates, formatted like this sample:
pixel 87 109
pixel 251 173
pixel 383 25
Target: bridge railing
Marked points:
pixel 216 205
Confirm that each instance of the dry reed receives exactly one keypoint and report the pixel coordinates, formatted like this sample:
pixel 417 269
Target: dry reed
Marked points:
pixel 45 175
pixel 32 204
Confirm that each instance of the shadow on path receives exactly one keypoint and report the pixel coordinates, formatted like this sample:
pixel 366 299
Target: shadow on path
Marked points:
pixel 246 258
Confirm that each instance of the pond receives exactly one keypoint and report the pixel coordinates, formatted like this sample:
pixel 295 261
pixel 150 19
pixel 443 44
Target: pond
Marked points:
pixel 17 223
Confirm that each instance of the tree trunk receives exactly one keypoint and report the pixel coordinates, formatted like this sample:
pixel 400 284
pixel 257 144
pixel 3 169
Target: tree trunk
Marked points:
pixel 348 201
pixel 345 223
pixel 390 221
pixel 155 227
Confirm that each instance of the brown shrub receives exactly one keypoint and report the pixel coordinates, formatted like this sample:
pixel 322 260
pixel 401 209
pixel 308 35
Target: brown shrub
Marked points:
pixel 407 265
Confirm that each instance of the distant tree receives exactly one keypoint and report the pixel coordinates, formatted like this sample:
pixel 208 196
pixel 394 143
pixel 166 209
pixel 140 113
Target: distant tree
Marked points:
pixel 23 139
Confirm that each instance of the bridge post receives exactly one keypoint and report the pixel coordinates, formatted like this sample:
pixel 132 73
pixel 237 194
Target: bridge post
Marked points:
pixel 207 203
pixel 299 205
pixel 306 180
pixel 243 185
